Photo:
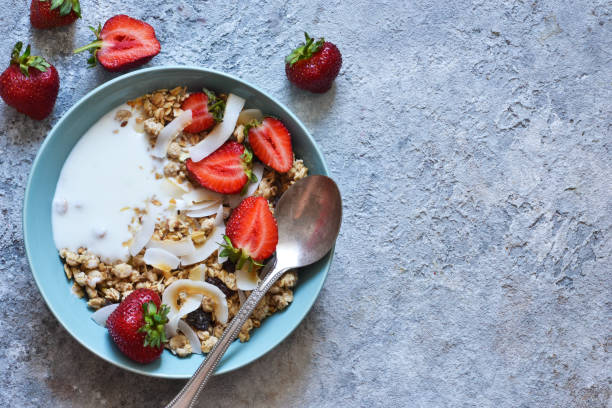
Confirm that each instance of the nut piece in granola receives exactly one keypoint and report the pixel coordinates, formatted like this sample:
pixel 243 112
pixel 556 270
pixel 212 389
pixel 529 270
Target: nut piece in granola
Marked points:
pixel 122 270
pixel 179 345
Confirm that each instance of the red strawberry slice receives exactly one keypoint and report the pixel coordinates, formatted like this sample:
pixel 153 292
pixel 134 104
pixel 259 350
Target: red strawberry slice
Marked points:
pixel 251 232
pixel 206 110
pixel 271 143
pixel 226 171
pixel 122 43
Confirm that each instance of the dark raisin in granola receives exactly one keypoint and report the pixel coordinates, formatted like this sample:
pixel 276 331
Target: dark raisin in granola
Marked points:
pixel 219 283
pixel 229 266
pixel 199 319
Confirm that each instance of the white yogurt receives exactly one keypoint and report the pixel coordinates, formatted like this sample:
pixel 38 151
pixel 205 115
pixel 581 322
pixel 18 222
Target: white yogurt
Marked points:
pixel 108 173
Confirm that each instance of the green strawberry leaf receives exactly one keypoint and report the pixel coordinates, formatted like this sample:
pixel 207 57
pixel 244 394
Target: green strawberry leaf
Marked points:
pixel 305 50
pixel 26 60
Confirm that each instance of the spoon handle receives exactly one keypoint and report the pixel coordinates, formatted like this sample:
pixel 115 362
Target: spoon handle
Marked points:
pixel 189 394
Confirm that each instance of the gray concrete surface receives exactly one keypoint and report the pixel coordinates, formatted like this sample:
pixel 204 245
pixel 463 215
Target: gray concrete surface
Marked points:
pixel 471 141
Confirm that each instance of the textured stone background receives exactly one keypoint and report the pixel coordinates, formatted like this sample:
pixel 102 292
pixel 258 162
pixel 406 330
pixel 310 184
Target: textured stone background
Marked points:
pixel 471 142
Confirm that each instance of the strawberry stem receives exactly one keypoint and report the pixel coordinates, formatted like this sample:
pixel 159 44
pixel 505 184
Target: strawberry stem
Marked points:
pixel 26 60
pixel 95 44
pixel 216 106
pixel 92 47
pixel 305 50
pixel 237 255
pixel 65 6
pixel 247 165
pixel 154 324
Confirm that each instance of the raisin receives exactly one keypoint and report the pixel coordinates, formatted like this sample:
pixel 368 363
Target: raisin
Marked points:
pixel 229 266
pixel 219 283
pixel 199 319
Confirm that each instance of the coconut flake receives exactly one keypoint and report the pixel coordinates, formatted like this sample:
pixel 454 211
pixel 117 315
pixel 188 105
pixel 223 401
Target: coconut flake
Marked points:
pixel 144 234
pixel 172 293
pixel 191 303
pixel 161 259
pixel 174 189
pixel 203 205
pixel 248 115
pixel 211 244
pixel 245 279
pixel 169 132
pixel 201 195
pixel 203 212
pixel 179 248
pixel 101 315
pixel 235 199
pixel 221 132
pixel 191 335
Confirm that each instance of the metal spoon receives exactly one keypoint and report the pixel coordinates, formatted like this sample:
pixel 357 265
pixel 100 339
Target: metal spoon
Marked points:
pixel 308 216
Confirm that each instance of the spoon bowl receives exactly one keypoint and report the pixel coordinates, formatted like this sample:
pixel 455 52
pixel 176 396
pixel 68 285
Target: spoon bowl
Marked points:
pixel 309 215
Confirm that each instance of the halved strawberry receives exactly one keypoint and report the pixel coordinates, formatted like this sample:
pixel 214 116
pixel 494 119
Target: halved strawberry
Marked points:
pixel 225 171
pixel 271 143
pixel 206 110
pixel 252 233
pixel 123 43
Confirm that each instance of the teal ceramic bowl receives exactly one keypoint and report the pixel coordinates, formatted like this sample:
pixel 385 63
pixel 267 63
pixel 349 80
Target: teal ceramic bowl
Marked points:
pixel 45 263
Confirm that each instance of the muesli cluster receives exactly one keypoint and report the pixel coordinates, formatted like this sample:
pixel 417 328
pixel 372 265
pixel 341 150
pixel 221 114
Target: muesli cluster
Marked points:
pixel 103 283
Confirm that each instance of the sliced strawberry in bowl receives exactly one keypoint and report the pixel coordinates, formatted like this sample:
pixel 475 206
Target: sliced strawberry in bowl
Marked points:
pixel 206 110
pixel 226 171
pixel 271 143
pixel 252 233
pixel 123 43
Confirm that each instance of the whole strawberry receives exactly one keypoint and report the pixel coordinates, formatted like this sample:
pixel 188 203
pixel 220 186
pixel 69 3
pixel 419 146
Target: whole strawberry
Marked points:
pixel 313 66
pixel 137 326
pixel 30 84
pixel 54 13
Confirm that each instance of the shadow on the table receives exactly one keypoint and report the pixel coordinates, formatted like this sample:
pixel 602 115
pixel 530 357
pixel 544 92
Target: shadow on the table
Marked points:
pixel 79 378
pixel 313 107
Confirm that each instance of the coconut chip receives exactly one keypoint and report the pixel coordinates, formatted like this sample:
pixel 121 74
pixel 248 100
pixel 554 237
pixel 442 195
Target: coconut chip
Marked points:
pixel 169 132
pixel 192 289
pixel 178 248
pixel 101 315
pixel 161 259
pixel 191 335
pixel 211 244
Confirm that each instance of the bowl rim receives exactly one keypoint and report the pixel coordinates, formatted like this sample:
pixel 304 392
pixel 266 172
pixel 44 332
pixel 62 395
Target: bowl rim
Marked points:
pixel 27 203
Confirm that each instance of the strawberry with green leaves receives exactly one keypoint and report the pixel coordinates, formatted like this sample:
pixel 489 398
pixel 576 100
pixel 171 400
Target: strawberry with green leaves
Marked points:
pixel 251 233
pixel 227 170
pixel 313 65
pixel 137 326
pixel 30 84
pixel 122 43
pixel 206 110
pixel 54 13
